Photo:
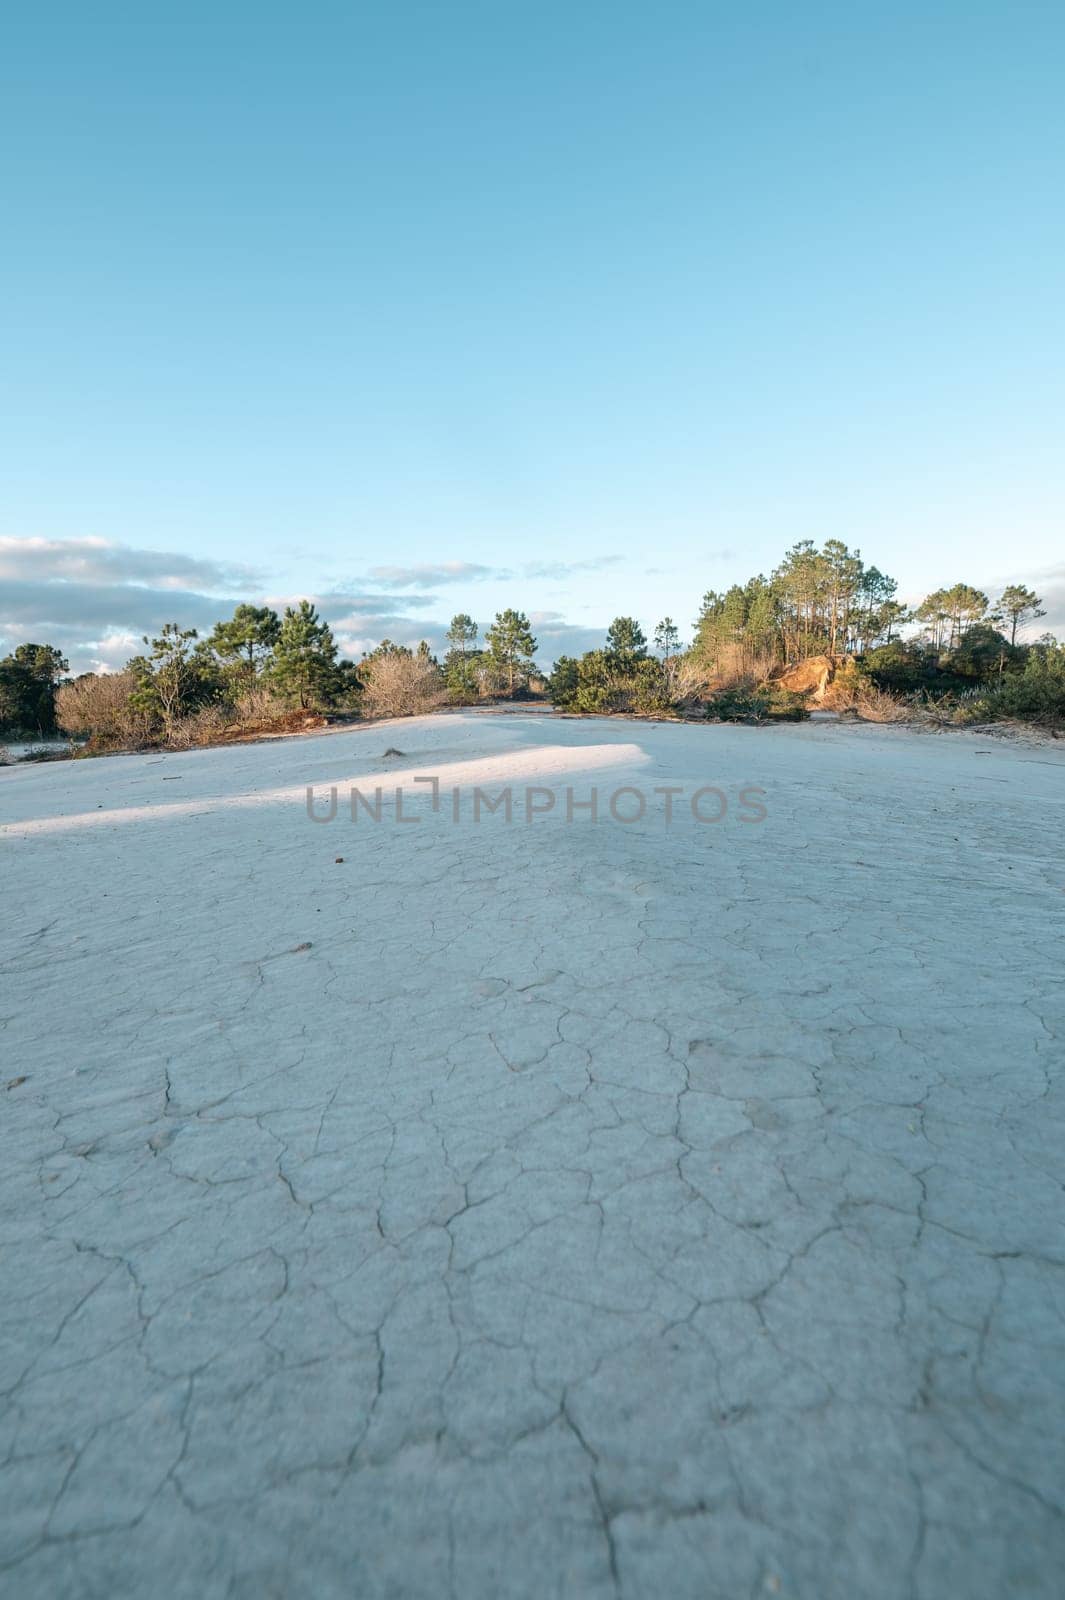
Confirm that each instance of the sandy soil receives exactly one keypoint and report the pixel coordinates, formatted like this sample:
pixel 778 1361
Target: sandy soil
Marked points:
pixel 537 1208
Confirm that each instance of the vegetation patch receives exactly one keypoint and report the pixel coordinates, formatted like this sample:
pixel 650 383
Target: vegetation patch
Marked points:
pixel 825 629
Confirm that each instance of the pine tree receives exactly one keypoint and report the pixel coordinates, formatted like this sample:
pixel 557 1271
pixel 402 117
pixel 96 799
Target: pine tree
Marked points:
pixel 173 679
pixel 933 613
pixel 248 637
pixel 563 682
pixel 511 646
pixel 461 660
pixel 305 657
pixel 667 643
pixel 28 681
pixel 462 634
pixel 843 572
pixel 734 615
pixel 876 610
pixel 763 621
pixel 387 647
pixel 1017 605
pixel 707 641
pixel 667 639
pixel 625 639
pixel 801 585
pixel 964 606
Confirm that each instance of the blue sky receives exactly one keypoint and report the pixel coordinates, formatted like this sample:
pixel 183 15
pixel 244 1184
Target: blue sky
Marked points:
pixel 583 308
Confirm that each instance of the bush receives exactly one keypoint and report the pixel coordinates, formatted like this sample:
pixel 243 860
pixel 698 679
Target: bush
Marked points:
pixel 564 682
pixel 258 702
pixel 983 653
pixel 401 685
pixel 604 681
pixel 763 702
pixel 599 687
pixel 99 706
pixel 877 705
pixel 915 667
pixel 852 689
pixel 113 713
pixel 1035 695
pixel 902 668
pixel 198 728
pixel 648 690
pixel 847 688
pixel 691 683
pixel 735 663
pixel 28 679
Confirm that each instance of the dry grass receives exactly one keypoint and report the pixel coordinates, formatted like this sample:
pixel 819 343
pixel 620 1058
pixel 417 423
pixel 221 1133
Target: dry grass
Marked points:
pixel 205 726
pixel 740 666
pixel 691 685
pixel 98 705
pixel 259 704
pixel 401 686
pixel 850 690
pixel 876 705
pixel 214 725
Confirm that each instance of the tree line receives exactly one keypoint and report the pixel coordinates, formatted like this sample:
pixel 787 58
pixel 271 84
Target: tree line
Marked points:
pixel 829 602
pixel 259 665
pixel 254 667
pixel 817 602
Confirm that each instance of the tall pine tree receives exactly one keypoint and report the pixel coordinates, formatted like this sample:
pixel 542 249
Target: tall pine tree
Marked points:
pixel 305 657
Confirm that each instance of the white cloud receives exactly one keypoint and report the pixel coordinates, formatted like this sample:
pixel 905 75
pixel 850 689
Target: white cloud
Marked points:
pixel 564 569
pixel 442 572
pixel 95 600
pixel 101 562
pixel 435 574
pixel 1050 586
pixel 555 637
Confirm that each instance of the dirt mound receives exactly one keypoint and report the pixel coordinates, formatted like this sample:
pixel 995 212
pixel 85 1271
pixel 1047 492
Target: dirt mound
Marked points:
pixel 811 676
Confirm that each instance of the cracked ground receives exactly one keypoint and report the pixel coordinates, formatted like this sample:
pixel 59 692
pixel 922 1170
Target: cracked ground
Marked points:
pixel 535 1209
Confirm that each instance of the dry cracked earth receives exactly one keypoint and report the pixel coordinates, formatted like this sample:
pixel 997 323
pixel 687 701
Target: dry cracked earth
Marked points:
pixel 536 1209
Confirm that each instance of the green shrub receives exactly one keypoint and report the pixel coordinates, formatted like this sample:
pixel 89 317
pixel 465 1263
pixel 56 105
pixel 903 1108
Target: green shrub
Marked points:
pixel 605 681
pixel 562 684
pixel 649 690
pixel 762 703
pixel 1035 695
